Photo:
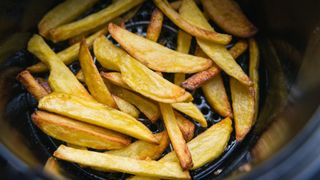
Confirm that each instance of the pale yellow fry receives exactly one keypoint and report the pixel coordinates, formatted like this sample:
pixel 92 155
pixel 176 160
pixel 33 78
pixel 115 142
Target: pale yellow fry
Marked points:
pixel 95 113
pixel 137 76
pixel 156 56
pixel 61 79
pixel 79 133
pixel 243 105
pixel 218 53
pixel 92 21
pixel 126 107
pixel 175 135
pixel 63 13
pixel 155 25
pixel 254 72
pixel 192 111
pixel 107 162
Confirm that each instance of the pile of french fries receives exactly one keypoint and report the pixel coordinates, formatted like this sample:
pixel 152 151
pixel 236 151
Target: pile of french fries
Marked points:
pixel 98 108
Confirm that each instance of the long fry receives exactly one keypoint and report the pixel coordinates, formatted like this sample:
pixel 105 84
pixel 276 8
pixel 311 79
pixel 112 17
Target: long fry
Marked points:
pixel 176 138
pixel 95 83
pixel 156 56
pixel 155 25
pixel 79 133
pixel 95 113
pixel 63 13
pixel 92 21
pixel 192 111
pixel 254 72
pixel 126 107
pixel 196 31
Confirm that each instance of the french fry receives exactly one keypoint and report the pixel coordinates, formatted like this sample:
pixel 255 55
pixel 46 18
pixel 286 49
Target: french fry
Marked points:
pixel 79 133
pixel 243 105
pixel 254 73
pixel 176 4
pixel 44 83
pixel 155 25
pixel 31 85
pixel 156 56
pixel 206 147
pixel 175 135
pixel 92 21
pixel 186 127
pixel 126 107
pixel 92 112
pixel 137 76
pixel 229 16
pixel 200 78
pixel 165 170
pixel 115 78
pixel 62 14
pixel 80 76
pixel 52 167
pixel 93 80
pixel 218 53
pixel 196 31
pixel 144 150
pixel 192 111
pixel 61 79
pixel 183 46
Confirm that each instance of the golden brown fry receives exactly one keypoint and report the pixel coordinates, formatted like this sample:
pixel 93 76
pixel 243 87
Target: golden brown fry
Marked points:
pixel 192 111
pixel 115 78
pixel 52 167
pixel 175 135
pixel 165 170
pixel 155 25
pixel 229 16
pixel 94 82
pixel 92 21
pixel 218 53
pixel 79 133
pixel 243 108
pixel 126 107
pixel 254 72
pixel 156 56
pixel 95 113
pixel 137 76
pixel 63 13
pixel 32 85
pixel 61 79
pixel 198 79
pixel 206 147
pixel 196 31
pixel 186 127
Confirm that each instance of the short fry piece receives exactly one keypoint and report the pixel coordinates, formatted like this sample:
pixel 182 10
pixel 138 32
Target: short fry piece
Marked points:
pixel 156 56
pixel 192 111
pixel 254 72
pixel 155 26
pixel 61 79
pixel 63 13
pixel 92 21
pixel 79 133
pixel 95 84
pixel 126 107
pixel 196 31
pixel 31 85
pixel 218 53
pixel 107 162
pixel 176 138
pixel 229 16
pixel 186 127
pixel 243 108
pixel 137 76
pixel 95 113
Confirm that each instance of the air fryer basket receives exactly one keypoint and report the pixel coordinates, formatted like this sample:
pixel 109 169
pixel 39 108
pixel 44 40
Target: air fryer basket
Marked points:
pixel 289 45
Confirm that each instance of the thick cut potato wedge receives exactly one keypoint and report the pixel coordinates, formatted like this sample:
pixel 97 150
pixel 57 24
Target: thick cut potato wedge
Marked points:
pixel 32 85
pixel 115 78
pixel 196 31
pixel 186 127
pixel 206 147
pixel 79 133
pixel 61 79
pixel 192 111
pixel 93 80
pixel 243 105
pixel 156 56
pixel 218 53
pixel 126 107
pixel 254 62
pixel 155 25
pixel 92 21
pixel 95 113
pixel 198 79
pixel 144 150
pixel 175 135
pixel 63 13
pixel 229 16
pixel 107 162
pixel 137 76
